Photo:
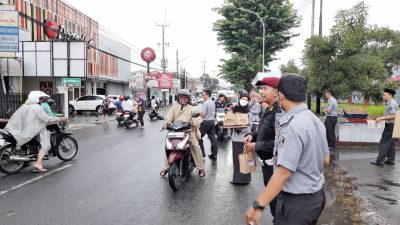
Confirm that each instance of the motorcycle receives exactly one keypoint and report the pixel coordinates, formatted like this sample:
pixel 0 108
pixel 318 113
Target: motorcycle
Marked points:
pixel 130 118
pixel 120 118
pixel 13 160
pixel 177 147
pixel 219 124
pixel 155 113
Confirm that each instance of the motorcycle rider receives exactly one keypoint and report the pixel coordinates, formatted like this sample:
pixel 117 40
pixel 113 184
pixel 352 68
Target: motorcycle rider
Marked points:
pixel 182 111
pixel 30 121
pixel 118 103
pixel 128 104
pixel 221 103
pixel 154 104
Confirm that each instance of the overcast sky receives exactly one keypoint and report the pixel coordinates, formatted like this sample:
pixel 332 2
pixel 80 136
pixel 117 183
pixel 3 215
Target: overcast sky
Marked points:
pixel 191 23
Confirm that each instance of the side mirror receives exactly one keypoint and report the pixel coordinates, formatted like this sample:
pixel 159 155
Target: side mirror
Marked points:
pixel 195 114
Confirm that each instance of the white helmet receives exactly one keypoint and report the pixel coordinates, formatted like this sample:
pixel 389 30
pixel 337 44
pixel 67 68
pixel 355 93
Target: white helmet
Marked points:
pixel 36 95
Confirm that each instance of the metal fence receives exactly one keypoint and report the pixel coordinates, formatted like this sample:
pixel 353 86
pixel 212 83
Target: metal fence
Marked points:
pixel 9 103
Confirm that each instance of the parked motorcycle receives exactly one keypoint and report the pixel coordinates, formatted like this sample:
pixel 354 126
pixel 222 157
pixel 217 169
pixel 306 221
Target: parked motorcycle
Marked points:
pixel 131 119
pixel 178 151
pixel 219 124
pixel 12 160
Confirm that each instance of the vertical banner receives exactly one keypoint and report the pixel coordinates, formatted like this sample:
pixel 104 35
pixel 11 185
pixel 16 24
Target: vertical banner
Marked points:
pixel 9 31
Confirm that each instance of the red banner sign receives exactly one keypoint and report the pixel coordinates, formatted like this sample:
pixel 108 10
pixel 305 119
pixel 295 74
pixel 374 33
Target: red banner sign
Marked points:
pixel 164 80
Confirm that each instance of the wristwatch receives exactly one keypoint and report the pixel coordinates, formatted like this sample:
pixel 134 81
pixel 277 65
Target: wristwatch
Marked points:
pixel 256 205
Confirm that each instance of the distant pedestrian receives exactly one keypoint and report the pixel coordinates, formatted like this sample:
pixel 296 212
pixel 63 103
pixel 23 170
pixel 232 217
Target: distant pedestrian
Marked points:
pixel 238 143
pixel 141 109
pixel 105 108
pixel 300 153
pixel 255 110
pixel 331 111
pixel 387 147
pixel 208 124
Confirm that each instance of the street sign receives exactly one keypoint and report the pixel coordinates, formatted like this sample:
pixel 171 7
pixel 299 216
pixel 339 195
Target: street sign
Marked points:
pixel 176 83
pixel 9 31
pixel 72 82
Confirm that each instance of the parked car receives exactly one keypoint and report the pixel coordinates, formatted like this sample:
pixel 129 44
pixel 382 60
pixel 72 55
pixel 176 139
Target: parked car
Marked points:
pixel 89 103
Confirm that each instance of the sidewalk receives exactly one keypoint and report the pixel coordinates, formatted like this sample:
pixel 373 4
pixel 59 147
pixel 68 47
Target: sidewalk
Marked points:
pixel 370 193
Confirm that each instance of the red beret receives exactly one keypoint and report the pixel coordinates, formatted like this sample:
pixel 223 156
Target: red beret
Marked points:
pixel 270 81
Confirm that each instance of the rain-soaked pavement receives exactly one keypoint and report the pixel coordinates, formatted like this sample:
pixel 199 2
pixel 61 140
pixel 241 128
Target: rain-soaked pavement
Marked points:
pixel 115 180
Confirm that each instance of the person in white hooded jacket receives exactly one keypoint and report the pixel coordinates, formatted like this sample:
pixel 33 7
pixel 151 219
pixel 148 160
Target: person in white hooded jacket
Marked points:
pixel 29 122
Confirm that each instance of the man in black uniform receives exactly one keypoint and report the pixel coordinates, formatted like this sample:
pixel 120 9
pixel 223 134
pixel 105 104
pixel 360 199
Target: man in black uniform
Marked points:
pixel 262 140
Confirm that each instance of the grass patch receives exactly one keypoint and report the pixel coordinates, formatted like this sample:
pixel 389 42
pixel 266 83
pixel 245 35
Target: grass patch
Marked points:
pixel 373 110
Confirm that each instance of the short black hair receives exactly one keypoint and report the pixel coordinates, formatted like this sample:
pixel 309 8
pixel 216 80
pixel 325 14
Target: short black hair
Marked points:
pixel 293 87
pixel 208 92
pixel 330 92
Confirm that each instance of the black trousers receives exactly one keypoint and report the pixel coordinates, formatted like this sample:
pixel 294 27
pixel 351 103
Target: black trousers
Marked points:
pixel 267 174
pixel 208 127
pixel 141 115
pixel 387 150
pixel 303 209
pixel 330 125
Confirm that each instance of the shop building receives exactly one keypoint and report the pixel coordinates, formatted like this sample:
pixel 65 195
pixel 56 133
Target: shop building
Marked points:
pixel 46 23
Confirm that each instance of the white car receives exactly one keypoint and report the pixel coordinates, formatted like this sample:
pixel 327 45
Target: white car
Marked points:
pixel 89 103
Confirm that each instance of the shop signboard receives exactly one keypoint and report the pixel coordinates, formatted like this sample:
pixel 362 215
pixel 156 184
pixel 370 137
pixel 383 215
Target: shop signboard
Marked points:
pixel 164 80
pixel 72 82
pixel 136 81
pixel 9 31
pixel 176 83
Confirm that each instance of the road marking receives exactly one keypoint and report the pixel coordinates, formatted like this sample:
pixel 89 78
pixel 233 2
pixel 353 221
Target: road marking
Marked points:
pixel 99 153
pixel 35 179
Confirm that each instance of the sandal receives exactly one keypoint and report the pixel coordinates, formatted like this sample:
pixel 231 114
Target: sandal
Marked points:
pixel 163 172
pixel 202 173
pixel 39 170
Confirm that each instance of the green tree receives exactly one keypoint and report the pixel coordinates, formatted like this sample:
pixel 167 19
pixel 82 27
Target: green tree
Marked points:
pixel 290 67
pixel 352 58
pixel 241 33
pixel 209 82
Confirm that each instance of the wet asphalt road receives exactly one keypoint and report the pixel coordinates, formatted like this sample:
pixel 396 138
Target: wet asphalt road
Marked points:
pixel 115 180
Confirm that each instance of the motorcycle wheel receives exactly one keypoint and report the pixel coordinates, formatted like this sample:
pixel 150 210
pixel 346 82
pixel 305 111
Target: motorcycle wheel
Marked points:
pixel 128 124
pixel 6 166
pixel 151 117
pixel 67 149
pixel 160 117
pixel 174 178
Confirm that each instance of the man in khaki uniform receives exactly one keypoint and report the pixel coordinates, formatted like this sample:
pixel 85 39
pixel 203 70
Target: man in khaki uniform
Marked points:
pixel 183 112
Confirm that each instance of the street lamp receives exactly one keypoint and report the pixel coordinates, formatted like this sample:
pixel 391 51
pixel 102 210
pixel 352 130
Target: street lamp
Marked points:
pixel 263 24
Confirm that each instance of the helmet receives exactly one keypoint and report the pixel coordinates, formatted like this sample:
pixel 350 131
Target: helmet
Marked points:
pixel 36 95
pixel 184 92
pixel 121 98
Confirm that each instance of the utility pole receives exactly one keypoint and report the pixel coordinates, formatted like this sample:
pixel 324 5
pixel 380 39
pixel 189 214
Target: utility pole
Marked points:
pixel 318 110
pixel 204 66
pixel 177 64
pixel 312 34
pixel 164 61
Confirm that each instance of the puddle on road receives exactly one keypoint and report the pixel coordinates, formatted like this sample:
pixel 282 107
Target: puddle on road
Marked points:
pixel 342 205
pixel 390 183
pixel 389 200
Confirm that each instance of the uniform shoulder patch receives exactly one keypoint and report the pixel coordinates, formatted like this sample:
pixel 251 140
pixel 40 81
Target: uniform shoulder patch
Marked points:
pixel 285 122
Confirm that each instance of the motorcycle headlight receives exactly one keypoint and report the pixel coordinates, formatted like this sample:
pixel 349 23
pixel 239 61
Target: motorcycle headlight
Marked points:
pixel 181 146
pixel 168 145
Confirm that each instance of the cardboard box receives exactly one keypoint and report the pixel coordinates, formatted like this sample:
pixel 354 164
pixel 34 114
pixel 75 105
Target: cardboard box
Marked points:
pixel 236 120
pixel 396 130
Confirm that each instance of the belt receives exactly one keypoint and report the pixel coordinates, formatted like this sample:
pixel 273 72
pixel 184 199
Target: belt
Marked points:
pixel 305 194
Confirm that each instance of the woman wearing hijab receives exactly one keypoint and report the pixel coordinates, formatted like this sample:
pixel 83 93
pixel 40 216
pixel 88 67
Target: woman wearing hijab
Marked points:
pixel 237 141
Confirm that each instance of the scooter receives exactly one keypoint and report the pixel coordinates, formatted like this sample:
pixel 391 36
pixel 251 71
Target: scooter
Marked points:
pixel 219 124
pixel 178 151
pixel 13 160
pixel 120 118
pixel 155 113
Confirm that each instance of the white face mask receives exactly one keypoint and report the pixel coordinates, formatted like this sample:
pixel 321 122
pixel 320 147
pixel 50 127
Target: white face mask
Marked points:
pixel 244 102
